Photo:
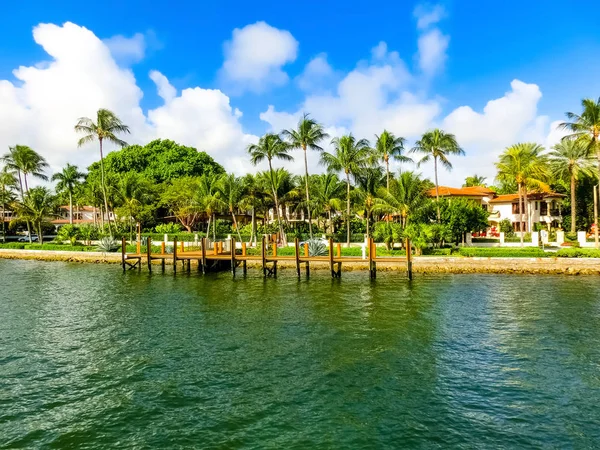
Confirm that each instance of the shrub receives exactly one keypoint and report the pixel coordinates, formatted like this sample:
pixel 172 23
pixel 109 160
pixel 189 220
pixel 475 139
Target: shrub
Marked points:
pixel 527 252
pixel 68 233
pixel 507 228
pixel 56 247
pixel 578 253
pixel 108 244
pixel 13 245
pixel 168 228
pixel 316 247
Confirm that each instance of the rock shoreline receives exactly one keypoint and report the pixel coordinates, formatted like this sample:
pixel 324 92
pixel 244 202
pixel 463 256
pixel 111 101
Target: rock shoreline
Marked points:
pixel 423 265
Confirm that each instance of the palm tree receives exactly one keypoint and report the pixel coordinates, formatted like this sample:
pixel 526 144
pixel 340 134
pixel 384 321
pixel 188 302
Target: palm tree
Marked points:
pixel 270 147
pixel 570 159
pixel 133 192
pixel 209 197
pixel 474 180
pixel 406 196
pixel 24 160
pixel 387 145
pixel 307 135
pixel 7 182
pixel 349 156
pixel 252 196
pixel 68 180
pixel 106 128
pixel 437 144
pixel 327 190
pixel 368 181
pixel 586 128
pixel 231 189
pixel 36 208
pixel 524 165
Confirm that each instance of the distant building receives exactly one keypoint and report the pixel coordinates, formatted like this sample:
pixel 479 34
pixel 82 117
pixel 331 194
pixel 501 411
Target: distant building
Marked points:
pixel 81 215
pixel 544 208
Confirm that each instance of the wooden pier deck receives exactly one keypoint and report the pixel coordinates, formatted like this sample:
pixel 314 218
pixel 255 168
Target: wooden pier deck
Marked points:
pixel 219 257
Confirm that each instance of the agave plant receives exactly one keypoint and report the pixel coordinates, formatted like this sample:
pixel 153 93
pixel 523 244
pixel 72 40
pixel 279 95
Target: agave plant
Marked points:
pixel 108 244
pixel 316 247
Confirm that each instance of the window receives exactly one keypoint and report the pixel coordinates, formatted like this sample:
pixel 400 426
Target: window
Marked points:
pixel 536 205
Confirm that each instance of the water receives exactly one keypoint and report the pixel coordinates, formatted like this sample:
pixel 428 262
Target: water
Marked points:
pixel 93 358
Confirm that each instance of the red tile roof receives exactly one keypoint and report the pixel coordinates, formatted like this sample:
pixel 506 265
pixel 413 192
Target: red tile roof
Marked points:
pixel 473 191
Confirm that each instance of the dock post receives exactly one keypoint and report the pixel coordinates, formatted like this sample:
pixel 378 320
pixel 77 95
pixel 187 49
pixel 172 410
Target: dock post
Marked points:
pixel 297 254
pixel 203 251
pixel 174 255
pixel 331 258
pixel 138 246
pixel 232 245
pixel 409 272
pixel 264 256
pixel 371 263
pixel 162 252
pixel 149 253
pixel 339 250
pixel 306 255
pixel 244 253
pixel 123 251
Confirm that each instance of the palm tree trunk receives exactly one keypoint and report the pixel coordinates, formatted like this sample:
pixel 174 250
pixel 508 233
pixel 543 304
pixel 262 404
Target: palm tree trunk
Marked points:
pixel 307 193
pixel 23 199
pixel 283 240
pixel 347 209
pixel 214 227
pixel 25 179
pixel 208 225
pixel 3 223
pixel 253 233
pixel 70 208
pixel 437 190
pixel 104 187
pixel 573 204
pixel 526 205
pixel 596 237
pixel 236 227
pixel 330 223
pixel 520 189
pixel 387 172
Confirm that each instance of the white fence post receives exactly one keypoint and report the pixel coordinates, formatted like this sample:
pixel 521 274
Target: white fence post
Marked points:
pixel 535 238
pixel 502 237
pixel 560 237
pixel 581 238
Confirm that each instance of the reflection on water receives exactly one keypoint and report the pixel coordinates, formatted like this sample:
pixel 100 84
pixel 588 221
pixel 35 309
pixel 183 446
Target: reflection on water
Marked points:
pixel 91 357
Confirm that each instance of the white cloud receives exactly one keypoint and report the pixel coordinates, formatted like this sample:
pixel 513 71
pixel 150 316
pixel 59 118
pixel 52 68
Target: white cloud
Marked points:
pixel 317 74
pixel 165 90
pixel 432 51
pixel 127 50
pixel 255 56
pixel 41 109
pixel 427 15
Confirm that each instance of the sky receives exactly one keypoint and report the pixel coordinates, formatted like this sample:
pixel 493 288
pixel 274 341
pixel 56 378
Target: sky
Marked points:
pixel 218 75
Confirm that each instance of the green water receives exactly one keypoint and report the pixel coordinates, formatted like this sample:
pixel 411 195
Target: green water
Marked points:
pixel 93 358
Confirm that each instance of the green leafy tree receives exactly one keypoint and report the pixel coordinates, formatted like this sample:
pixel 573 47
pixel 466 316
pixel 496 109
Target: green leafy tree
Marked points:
pixel 524 165
pixel 68 179
pixel 463 216
pixel 389 146
pixel 270 147
pixel 307 135
pixel 406 197
pixel 437 145
pixel 252 199
pixel 181 198
pixel 474 180
pixel 106 128
pixel 37 206
pixel 135 194
pixel 350 156
pixel 569 160
pixel 209 197
pixel 368 182
pixel 232 189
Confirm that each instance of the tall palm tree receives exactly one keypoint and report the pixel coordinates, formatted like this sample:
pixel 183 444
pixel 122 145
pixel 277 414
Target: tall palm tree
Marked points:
pixel 524 165
pixel 439 145
pixel 68 179
pixel 25 161
pixel 406 196
pixel 7 182
pixel 327 190
pixel 106 128
pixel 389 146
pixel 349 156
pixel 231 189
pixel 474 180
pixel 586 128
pixel 270 147
pixel 209 197
pixel 570 159
pixel 368 181
pixel 133 192
pixel 36 208
pixel 307 135
pixel 252 197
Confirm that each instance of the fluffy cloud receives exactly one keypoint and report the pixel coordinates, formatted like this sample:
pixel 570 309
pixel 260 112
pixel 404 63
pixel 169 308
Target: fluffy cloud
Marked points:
pixel 127 50
pixel 432 51
pixel 41 109
pixel 428 15
pixel 255 56
pixel 317 74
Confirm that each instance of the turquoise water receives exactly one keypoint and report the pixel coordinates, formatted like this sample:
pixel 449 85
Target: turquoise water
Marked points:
pixel 94 358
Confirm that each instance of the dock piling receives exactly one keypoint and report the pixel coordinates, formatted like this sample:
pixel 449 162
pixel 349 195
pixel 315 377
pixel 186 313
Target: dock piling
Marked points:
pixel 409 271
pixel 297 255
pixel 123 252
pixel 149 253
pixel 174 255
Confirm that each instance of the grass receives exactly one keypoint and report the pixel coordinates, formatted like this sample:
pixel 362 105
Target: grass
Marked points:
pixel 578 253
pixel 498 252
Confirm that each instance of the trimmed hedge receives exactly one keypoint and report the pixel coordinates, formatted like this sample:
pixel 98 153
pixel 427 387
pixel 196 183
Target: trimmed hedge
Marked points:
pixel 497 252
pixel 13 245
pixel 578 253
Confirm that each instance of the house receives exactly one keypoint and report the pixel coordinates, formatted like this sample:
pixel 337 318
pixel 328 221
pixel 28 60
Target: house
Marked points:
pixel 81 215
pixel 7 215
pixel 543 208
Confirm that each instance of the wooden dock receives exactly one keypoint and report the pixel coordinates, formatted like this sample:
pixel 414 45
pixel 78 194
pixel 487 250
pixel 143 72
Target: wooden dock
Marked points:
pixel 224 256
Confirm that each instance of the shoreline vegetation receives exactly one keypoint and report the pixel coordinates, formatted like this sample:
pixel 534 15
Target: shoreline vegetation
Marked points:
pixel 451 264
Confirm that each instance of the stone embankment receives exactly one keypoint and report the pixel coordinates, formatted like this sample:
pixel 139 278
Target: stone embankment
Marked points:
pixel 424 264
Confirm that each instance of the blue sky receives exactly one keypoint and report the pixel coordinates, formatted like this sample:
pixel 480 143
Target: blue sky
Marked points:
pixel 479 48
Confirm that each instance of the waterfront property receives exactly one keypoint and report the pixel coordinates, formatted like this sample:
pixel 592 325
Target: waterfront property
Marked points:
pixel 82 215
